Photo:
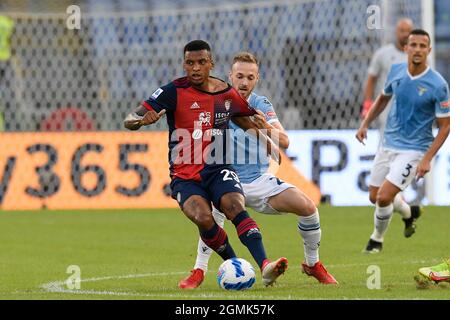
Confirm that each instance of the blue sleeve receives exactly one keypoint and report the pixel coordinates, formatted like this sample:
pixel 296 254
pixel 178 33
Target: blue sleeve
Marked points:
pixel 388 90
pixel 263 104
pixel 442 101
pixel 163 98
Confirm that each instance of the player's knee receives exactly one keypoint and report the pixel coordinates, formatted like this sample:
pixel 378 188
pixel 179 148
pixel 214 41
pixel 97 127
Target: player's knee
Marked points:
pixel 383 199
pixel 232 209
pixel 307 209
pixel 203 220
pixel 373 198
pixel 310 207
pixel 231 205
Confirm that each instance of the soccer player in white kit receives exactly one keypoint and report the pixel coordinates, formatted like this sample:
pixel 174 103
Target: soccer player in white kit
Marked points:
pixel 263 191
pixel 419 96
pixel 379 67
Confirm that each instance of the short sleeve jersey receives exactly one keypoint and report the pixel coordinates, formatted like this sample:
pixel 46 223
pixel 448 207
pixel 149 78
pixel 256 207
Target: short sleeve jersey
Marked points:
pixel 250 157
pixel 417 101
pixel 195 119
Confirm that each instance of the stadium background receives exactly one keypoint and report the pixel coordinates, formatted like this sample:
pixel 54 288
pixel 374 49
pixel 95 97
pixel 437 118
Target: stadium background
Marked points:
pixel 64 95
pixel 82 83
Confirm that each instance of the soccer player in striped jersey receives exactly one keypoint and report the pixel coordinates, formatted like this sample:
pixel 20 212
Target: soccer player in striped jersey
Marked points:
pixel 420 96
pixel 263 191
pixel 199 106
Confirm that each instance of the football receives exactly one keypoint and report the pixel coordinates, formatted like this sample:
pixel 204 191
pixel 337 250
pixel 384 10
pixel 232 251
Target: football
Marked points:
pixel 236 274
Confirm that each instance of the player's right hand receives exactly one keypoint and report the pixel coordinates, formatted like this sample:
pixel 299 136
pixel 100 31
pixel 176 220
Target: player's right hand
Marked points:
pixel 151 117
pixel 361 135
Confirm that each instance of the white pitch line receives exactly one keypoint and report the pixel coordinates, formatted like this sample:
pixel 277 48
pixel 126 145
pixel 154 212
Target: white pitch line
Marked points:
pixel 58 286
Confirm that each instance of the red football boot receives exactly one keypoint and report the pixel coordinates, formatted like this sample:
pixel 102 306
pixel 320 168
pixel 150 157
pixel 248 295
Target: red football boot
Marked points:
pixel 319 272
pixel 272 270
pixel 193 281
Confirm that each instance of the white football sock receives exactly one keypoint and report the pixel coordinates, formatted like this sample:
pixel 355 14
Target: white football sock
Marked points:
pixel 401 206
pixel 382 218
pixel 309 229
pixel 203 251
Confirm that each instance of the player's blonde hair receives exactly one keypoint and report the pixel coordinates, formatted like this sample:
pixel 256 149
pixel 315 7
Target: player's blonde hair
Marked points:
pixel 245 56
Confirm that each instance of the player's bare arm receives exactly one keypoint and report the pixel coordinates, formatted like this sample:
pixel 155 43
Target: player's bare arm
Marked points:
pixel 246 123
pixel 274 129
pixel 142 117
pixel 425 164
pixel 380 104
pixel 368 94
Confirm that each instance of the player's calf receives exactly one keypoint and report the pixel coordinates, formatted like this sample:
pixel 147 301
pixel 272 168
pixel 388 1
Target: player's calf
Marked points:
pixel 250 236
pixel 216 238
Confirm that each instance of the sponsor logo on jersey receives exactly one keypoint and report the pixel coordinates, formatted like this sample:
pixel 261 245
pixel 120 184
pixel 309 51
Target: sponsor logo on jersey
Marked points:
pixel 205 118
pixel 157 93
pixel 213 132
pixel 445 104
pixel 222 115
pixel 197 134
pixel 422 90
pixel 221 118
pixel 195 106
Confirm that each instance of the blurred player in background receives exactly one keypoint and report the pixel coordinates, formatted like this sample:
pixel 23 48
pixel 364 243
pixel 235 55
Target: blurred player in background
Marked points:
pixel 263 191
pixel 6 28
pixel 420 95
pixel 380 65
pixel 195 105
pixel 378 70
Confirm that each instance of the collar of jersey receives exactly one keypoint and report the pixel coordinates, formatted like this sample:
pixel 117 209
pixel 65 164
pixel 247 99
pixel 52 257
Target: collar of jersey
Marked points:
pixel 419 75
pixel 250 96
pixel 214 93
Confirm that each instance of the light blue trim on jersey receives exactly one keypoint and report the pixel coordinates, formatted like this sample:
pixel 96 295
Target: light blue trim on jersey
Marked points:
pixel 417 102
pixel 250 160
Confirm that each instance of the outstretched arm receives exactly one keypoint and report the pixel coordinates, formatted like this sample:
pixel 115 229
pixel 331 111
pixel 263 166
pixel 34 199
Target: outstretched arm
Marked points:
pixel 380 104
pixel 141 116
pixel 368 94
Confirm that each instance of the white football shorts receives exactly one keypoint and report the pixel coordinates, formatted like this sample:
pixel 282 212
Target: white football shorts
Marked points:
pixel 258 192
pixel 397 166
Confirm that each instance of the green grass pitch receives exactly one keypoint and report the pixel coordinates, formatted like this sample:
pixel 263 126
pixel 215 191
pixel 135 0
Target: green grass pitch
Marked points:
pixel 142 254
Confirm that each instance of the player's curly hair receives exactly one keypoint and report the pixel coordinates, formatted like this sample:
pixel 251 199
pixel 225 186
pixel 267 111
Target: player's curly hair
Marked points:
pixel 197 45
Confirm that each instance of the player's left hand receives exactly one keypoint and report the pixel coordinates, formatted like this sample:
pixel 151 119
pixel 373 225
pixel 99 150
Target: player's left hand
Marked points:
pixel 423 168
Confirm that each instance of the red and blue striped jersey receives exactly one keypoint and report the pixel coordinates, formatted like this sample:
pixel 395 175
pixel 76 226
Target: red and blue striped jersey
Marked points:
pixel 192 116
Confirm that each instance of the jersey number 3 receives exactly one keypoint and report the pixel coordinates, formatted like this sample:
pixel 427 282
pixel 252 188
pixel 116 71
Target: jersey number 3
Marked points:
pixel 408 170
